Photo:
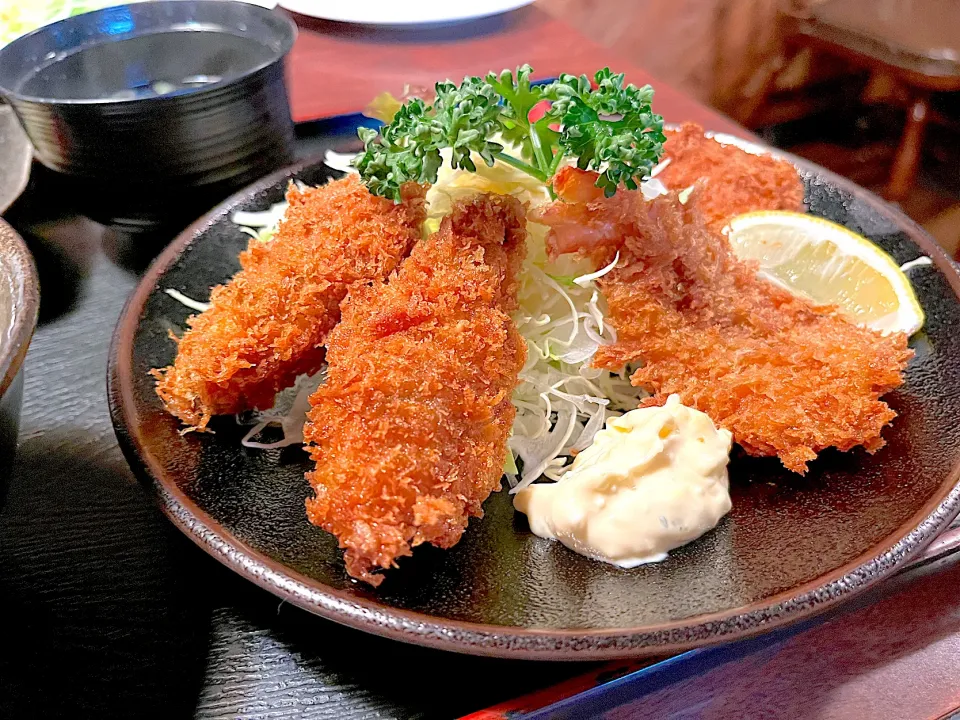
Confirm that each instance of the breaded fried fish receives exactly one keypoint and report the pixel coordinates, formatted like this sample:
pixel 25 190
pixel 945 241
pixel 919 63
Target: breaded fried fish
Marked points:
pixel 736 181
pixel 409 433
pixel 785 377
pixel 269 323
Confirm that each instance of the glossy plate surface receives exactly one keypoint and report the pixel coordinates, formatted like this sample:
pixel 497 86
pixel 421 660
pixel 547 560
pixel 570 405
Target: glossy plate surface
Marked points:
pixel 388 12
pixel 790 546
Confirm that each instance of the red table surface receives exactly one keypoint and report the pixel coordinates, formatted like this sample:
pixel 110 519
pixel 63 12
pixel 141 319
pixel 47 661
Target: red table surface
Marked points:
pixel 336 68
pixel 890 654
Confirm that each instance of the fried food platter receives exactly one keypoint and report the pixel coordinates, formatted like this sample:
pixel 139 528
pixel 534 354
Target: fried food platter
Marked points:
pixel 790 547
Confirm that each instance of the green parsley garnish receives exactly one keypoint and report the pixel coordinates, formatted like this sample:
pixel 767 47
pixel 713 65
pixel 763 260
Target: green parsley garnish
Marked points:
pixel 609 128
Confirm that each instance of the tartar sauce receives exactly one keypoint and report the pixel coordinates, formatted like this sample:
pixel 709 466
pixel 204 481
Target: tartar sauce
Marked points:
pixel 654 479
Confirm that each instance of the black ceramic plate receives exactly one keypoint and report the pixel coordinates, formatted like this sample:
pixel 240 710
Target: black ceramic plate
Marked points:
pixel 791 546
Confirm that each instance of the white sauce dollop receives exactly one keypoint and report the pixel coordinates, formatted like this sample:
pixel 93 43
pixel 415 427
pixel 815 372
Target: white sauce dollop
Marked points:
pixel 654 479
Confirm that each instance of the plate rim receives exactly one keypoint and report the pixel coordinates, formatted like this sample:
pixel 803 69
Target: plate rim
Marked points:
pixel 881 560
pixel 25 297
pixel 505 6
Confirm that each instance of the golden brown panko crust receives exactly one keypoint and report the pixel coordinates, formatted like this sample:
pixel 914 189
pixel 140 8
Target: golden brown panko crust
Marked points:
pixel 735 181
pixel 785 377
pixel 269 323
pixel 409 432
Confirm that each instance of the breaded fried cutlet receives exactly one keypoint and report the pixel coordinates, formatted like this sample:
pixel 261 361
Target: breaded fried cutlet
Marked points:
pixel 785 377
pixel 736 181
pixel 409 433
pixel 269 323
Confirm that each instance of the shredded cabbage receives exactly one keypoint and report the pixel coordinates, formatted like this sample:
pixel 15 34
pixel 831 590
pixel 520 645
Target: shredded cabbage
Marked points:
pixel 919 262
pixel 265 219
pixel 561 401
pixel 188 301
pixel 289 414
pixel 339 161
pixel 263 224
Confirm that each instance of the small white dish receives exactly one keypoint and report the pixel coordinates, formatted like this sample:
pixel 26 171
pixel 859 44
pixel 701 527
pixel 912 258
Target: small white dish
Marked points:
pixel 390 12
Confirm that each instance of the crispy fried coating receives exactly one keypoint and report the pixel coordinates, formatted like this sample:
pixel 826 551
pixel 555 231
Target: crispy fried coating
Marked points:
pixel 785 377
pixel 736 181
pixel 409 433
pixel 268 324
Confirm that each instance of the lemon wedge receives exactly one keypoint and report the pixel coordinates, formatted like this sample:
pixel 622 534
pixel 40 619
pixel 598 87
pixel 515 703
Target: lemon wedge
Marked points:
pixel 829 265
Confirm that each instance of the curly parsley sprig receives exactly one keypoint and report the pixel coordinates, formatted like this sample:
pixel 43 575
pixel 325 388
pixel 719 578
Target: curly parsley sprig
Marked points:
pixel 605 126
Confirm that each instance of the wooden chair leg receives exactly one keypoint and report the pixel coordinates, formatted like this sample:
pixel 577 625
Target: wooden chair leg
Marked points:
pixel 751 106
pixel 907 161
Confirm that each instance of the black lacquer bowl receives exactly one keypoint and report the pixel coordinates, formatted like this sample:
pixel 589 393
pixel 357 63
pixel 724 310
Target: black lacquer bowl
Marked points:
pixel 156 111
pixel 790 547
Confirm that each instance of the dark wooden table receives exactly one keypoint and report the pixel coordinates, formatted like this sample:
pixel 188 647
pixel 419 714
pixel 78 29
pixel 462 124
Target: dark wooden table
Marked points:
pixel 110 612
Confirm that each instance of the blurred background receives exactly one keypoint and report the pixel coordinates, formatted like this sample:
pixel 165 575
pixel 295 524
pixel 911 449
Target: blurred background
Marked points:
pixel 867 88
